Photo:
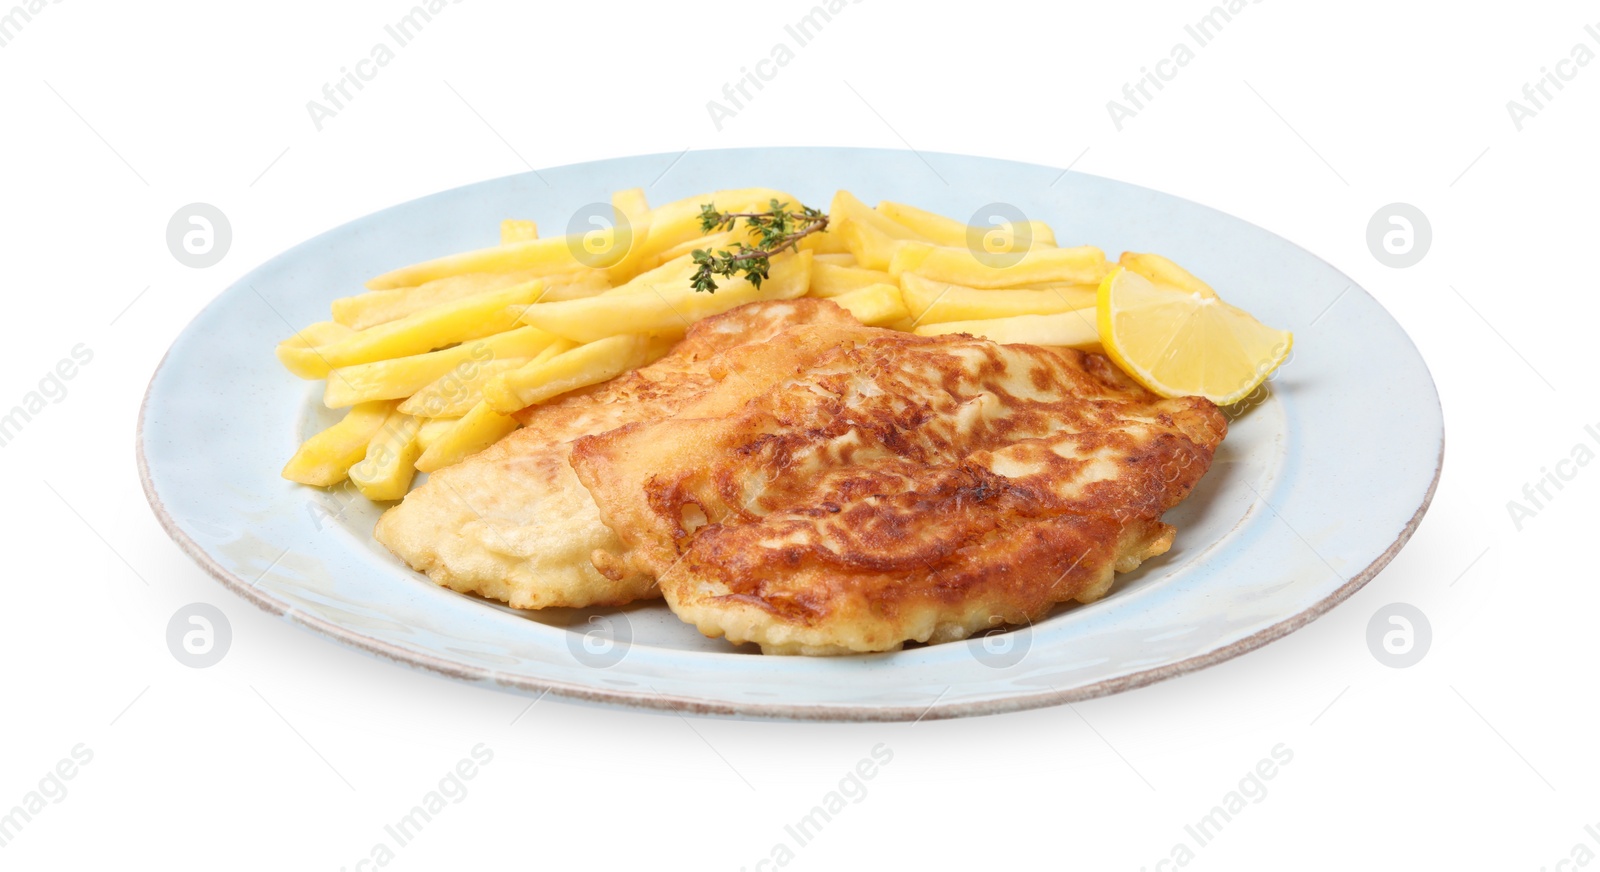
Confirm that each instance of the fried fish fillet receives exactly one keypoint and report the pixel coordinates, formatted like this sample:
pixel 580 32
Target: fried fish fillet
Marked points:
pixel 512 522
pixel 856 488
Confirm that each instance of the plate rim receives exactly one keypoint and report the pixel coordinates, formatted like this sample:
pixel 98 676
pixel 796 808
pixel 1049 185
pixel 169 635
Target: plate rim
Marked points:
pixel 825 712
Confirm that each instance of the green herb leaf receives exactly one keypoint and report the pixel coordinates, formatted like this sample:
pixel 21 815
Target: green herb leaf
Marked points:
pixel 776 230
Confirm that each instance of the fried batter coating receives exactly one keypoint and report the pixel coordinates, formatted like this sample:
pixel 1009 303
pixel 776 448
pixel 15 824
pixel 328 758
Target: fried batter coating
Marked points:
pixel 512 523
pixel 851 489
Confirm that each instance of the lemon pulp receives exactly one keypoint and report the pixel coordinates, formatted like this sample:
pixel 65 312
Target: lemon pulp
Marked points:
pixel 1185 343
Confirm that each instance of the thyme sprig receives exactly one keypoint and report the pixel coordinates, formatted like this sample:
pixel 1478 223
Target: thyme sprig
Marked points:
pixel 777 229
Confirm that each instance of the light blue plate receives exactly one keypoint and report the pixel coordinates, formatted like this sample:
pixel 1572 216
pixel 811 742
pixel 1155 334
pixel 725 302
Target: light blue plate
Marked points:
pixel 1319 483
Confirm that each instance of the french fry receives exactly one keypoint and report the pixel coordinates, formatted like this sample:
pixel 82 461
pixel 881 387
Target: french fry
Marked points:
pixel 543 257
pixel 948 231
pixel 847 208
pixel 403 376
pixel 454 397
pixel 935 302
pixel 429 431
pixel 874 305
pixel 517 230
pixel 679 221
pixel 828 241
pixel 455 393
pixel 325 459
pixel 1052 286
pixel 372 308
pixel 633 219
pixel 495 323
pixel 575 286
pixel 844 258
pixel 1073 296
pixel 298 353
pixel 873 248
pixel 866 233
pixel 1164 272
pixel 670 274
pixel 469 434
pixel 908 256
pixel 725 239
pixel 456 321
pixel 590 364
pixel 667 310
pixel 1074 329
pixel 1082 265
pixel 386 472
pixel 302 360
pixel 320 333
pixel 830 280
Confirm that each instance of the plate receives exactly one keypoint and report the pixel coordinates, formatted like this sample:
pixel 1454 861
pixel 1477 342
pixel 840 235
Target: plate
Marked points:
pixel 1322 478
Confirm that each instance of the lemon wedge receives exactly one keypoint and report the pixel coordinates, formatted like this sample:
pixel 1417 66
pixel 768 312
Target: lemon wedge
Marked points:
pixel 1184 340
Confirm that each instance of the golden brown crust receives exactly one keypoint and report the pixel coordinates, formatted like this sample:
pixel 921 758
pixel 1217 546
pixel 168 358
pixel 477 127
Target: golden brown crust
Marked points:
pixel 856 488
pixel 512 522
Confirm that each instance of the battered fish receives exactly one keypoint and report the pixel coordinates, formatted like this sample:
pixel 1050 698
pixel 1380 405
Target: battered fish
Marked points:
pixel 854 488
pixel 512 523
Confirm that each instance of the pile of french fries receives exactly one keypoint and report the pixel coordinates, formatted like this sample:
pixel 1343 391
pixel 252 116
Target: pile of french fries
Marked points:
pixel 433 359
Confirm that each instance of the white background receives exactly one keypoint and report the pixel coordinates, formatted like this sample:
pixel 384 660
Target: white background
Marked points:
pixel 1305 119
